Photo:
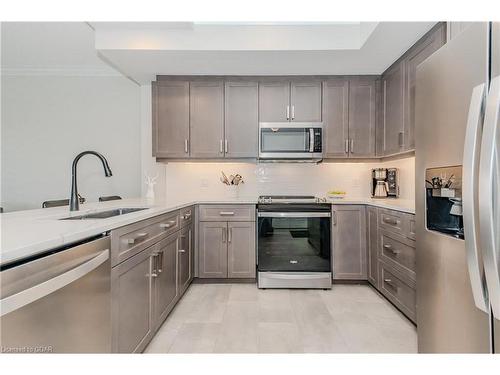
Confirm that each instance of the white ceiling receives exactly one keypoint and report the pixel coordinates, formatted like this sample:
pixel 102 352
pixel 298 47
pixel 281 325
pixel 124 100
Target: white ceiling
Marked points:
pixel 142 50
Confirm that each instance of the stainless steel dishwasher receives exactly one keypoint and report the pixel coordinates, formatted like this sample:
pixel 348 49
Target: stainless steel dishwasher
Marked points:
pixel 58 302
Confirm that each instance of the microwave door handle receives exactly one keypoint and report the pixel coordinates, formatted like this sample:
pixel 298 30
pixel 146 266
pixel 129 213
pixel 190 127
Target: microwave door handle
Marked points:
pixel 311 140
pixel 488 167
pixel 469 194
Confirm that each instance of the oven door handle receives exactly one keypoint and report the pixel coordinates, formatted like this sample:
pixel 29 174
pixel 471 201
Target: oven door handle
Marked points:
pixel 294 214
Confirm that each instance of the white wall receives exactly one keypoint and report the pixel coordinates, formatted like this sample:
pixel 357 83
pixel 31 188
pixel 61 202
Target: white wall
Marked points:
pixel 47 120
pixel 193 181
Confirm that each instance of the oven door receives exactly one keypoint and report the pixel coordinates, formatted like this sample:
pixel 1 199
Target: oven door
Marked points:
pixel 294 242
pixel 287 141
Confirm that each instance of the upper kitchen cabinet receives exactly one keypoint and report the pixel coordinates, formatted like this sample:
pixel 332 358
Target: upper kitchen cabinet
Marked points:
pixel 421 51
pixel 281 101
pixel 241 119
pixel 349 117
pixel 170 101
pixel 274 101
pixel 393 99
pixel 305 101
pixel 206 111
pixel 362 117
pixel 398 90
pixel 336 118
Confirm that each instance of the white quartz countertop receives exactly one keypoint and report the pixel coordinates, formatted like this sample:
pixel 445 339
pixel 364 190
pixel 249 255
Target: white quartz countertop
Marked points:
pixel 27 233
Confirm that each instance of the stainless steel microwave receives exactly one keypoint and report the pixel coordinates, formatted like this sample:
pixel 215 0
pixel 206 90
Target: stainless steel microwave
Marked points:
pixel 290 141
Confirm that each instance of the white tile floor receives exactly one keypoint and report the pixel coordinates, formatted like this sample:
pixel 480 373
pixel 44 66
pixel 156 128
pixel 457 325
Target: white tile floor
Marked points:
pixel 239 318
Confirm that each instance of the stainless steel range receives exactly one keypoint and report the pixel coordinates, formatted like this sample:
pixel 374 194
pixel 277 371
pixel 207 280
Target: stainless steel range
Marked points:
pixel 294 242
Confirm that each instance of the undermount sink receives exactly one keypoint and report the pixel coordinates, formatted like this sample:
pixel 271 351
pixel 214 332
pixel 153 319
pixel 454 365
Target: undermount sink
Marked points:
pixel 105 214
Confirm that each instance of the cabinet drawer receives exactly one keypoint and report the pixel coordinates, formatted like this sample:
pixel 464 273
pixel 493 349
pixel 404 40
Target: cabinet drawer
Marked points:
pixel 392 221
pixel 398 289
pixel 398 251
pixel 240 212
pixel 186 216
pixel 131 239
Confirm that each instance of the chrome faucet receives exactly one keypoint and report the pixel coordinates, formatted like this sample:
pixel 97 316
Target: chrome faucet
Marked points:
pixel 74 204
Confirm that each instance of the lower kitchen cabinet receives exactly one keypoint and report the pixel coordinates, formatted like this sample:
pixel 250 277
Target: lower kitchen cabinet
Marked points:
pixel 398 289
pixel 241 250
pixel 226 249
pixel 132 302
pixel 185 259
pixel 349 242
pixel 146 286
pixel 212 249
pixel 165 276
pixel 372 236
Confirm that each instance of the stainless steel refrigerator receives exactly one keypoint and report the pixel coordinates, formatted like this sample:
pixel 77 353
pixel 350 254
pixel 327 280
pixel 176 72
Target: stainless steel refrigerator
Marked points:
pixel 458 194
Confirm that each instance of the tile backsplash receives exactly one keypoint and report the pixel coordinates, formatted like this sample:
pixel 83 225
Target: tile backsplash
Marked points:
pixel 194 181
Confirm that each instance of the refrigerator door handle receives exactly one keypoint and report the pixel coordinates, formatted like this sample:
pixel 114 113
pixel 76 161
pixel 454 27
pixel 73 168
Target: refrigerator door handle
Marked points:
pixel 470 192
pixel 488 198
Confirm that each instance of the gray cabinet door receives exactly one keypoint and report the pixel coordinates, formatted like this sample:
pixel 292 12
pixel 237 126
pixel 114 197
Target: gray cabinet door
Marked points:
pixel 185 257
pixel 206 111
pixel 372 237
pixel 349 242
pixel 170 119
pixel 274 101
pixel 336 118
pixel 165 268
pixel 132 303
pixel 241 119
pixel 362 117
pixel 418 53
pixel 241 250
pixel 212 249
pixel 393 89
pixel 305 101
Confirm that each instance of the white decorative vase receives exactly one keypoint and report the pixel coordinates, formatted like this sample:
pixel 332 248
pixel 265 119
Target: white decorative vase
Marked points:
pixel 234 191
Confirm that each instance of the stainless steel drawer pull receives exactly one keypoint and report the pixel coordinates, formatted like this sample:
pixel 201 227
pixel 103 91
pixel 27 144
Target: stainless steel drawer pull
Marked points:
pixel 182 251
pixel 390 221
pixel 186 216
pixel 167 225
pixel 389 247
pixel 139 236
pixel 390 283
pixel 226 213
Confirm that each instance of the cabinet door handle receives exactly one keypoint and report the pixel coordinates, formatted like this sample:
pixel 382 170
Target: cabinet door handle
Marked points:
pixel 293 112
pixel 160 262
pixel 186 216
pixel 226 213
pixel 400 139
pixel 221 147
pixel 288 112
pixel 182 251
pixel 225 146
pixel 223 235
pixel 334 217
pixel 186 146
pixel 154 265
pixel 352 145
pixel 139 236
pixel 346 146
pixel 230 235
